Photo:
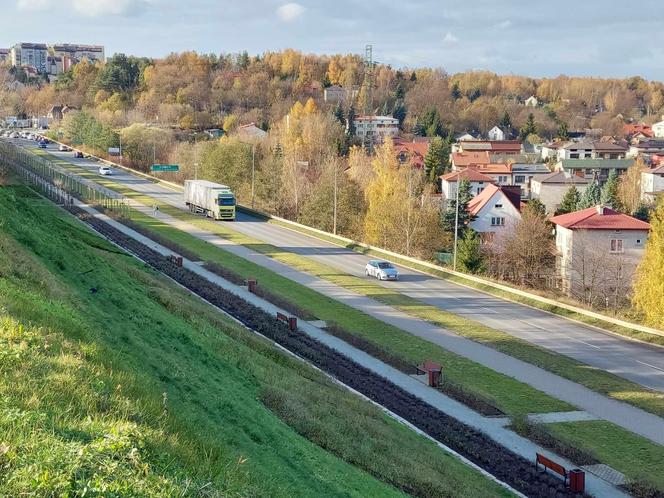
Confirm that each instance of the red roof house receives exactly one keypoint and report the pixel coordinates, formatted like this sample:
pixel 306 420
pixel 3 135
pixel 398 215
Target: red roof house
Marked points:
pixel 599 218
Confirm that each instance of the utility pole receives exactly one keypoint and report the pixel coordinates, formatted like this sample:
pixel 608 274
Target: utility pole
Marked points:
pixel 456 221
pixel 253 173
pixel 334 225
pixel 368 94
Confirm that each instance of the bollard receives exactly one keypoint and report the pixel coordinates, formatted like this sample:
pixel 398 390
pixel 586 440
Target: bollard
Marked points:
pixel 292 323
pixel 178 260
pixel 252 283
pixel 577 480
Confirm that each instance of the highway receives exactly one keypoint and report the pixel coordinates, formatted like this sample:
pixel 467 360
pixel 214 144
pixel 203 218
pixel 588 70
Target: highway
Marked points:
pixel 639 362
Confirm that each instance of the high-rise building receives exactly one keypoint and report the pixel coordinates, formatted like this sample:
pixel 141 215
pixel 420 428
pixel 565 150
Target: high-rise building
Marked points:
pixel 4 54
pixel 30 54
pixel 77 53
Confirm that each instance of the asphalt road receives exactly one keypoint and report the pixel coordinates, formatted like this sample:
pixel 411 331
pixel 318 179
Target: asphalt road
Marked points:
pixel 638 362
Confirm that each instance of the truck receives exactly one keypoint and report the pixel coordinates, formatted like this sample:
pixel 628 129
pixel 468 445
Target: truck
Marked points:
pixel 211 199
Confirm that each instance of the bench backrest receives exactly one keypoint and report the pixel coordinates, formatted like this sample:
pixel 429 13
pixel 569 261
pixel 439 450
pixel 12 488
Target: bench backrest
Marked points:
pixel 547 462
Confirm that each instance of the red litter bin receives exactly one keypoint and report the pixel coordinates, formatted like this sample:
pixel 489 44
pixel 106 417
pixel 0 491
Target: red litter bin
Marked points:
pixel 577 480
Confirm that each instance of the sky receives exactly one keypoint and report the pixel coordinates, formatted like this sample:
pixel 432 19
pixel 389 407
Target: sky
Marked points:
pixel 605 38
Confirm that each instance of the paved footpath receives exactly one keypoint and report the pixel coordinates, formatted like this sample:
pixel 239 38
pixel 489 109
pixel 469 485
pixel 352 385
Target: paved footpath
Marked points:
pixel 493 427
pixel 602 407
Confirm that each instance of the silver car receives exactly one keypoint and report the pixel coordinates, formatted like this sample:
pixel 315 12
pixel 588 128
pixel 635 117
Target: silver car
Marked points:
pixel 382 270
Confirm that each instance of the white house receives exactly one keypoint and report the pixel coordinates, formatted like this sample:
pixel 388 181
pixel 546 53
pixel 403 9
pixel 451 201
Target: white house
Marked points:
pixel 376 128
pixel 658 129
pixel 495 209
pixel 531 101
pixel 478 182
pixel 598 252
pixel 652 184
pixel 550 189
pixel 496 133
pixel 591 149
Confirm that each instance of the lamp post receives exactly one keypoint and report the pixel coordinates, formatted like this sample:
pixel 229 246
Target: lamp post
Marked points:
pixel 456 221
pixel 253 173
pixel 334 224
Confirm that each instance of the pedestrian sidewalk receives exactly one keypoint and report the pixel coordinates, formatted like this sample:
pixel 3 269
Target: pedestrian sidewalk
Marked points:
pixel 492 427
pixel 626 416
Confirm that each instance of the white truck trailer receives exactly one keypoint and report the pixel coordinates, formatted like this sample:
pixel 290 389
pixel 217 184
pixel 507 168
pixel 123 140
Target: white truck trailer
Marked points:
pixel 212 199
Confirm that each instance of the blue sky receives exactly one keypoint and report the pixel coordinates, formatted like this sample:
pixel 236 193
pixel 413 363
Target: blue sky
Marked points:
pixel 582 37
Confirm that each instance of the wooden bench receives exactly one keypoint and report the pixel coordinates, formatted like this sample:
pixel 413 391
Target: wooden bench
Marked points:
pixel 547 463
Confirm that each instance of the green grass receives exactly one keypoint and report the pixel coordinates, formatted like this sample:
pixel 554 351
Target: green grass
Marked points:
pixel 139 389
pixel 634 456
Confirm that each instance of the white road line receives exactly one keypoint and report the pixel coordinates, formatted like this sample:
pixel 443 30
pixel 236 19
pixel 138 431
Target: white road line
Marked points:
pixel 584 342
pixel 649 365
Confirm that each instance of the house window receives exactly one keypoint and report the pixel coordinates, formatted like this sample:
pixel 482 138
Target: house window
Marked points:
pixel 499 205
pixel 617 245
pixel 497 221
pixel 519 179
pixel 639 242
pixel 479 190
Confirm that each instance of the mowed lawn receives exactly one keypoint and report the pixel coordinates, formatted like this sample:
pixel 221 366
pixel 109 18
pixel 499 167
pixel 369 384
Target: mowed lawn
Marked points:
pixel 114 381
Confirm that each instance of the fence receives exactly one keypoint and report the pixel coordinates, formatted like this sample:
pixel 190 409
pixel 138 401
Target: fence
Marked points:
pixel 56 183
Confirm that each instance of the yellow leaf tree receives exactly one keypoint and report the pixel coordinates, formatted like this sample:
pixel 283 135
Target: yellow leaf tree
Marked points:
pixel 649 284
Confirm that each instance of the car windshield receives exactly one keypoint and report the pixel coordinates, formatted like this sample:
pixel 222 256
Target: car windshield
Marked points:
pixel 384 265
pixel 226 200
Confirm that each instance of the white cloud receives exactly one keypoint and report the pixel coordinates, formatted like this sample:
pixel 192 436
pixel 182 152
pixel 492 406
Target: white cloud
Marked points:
pixel 504 24
pixel 290 11
pixel 449 39
pixel 99 8
pixel 32 5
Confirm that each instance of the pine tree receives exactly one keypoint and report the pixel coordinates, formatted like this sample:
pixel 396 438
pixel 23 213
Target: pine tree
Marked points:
pixel 385 110
pixel 350 121
pixel 643 213
pixel 399 112
pixel 609 195
pixel 649 284
pixel 529 128
pixel 465 217
pixel 563 133
pixel 339 113
pixel 570 201
pixel 455 91
pixel 592 195
pixel 506 121
pixel 433 161
pixel 469 254
pixel 399 92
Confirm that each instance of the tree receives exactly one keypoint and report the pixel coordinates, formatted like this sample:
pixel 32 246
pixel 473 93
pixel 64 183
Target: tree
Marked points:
pixel 536 207
pixel 430 125
pixel 339 113
pixel 434 160
pixel 563 133
pixel 629 188
pixel 469 254
pixel 529 128
pixel 465 217
pixel 506 121
pixel 570 201
pixel 592 195
pixel 310 107
pixel 609 196
pixel 399 112
pixel 350 121
pixel 649 284
pixel 455 91
pixel 120 74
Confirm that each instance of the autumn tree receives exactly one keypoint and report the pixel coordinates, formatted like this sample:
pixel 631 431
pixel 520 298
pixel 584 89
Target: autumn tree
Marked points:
pixel 144 145
pixel 649 284
pixel 629 187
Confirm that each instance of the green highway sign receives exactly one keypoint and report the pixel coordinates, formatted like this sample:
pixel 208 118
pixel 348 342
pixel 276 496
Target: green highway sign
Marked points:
pixel 165 167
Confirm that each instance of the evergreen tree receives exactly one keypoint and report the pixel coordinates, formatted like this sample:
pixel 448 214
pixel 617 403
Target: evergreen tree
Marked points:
pixel 563 133
pixel 455 91
pixel 399 92
pixel 474 94
pixel 529 128
pixel 350 121
pixel 413 76
pixel 642 213
pixel 570 201
pixel 243 60
pixel 649 284
pixel 399 112
pixel 339 113
pixel 506 121
pixel 609 196
pixel 430 124
pixel 536 207
pixel 465 217
pixel 469 254
pixel 592 195
pixel 433 161
pixel 385 110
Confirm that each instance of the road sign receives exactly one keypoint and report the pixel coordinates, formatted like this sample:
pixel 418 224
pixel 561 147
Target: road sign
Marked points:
pixel 165 167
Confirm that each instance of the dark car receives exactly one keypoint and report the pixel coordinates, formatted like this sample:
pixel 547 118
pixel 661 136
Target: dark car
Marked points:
pixel 78 153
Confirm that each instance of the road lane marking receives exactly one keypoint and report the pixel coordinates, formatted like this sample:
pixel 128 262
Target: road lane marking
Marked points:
pixel 649 365
pixel 584 342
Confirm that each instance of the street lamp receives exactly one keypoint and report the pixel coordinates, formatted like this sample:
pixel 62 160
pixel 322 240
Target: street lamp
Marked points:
pixel 456 220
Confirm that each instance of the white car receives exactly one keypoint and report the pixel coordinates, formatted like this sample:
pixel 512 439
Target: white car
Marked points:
pixel 105 170
pixel 382 270
pixel 63 148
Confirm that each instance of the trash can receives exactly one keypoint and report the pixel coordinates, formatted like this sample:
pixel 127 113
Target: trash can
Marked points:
pixel 577 480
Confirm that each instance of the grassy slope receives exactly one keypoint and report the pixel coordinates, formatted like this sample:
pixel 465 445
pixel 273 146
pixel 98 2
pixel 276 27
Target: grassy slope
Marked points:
pixel 141 389
pixel 633 455
pixel 593 378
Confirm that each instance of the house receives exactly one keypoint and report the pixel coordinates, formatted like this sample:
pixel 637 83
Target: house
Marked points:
pixel 658 129
pixel 592 149
pixel 74 53
pixel 652 183
pixel 375 128
pixel 523 174
pixel 55 113
pixel 550 189
pixel 251 132
pixel 591 168
pixel 411 152
pixel 646 148
pixel 465 137
pixel 505 147
pixel 550 150
pixel 496 133
pixel 495 210
pixel 531 101
pixel 336 93
pixel 631 130
pixel 478 182
pixel 500 172
pixel 598 252
pixel 4 55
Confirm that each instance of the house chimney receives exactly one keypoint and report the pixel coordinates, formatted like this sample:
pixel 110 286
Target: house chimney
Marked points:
pixel 600 210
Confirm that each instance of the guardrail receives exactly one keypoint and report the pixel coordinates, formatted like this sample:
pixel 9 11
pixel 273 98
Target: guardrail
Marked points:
pixel 472 278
